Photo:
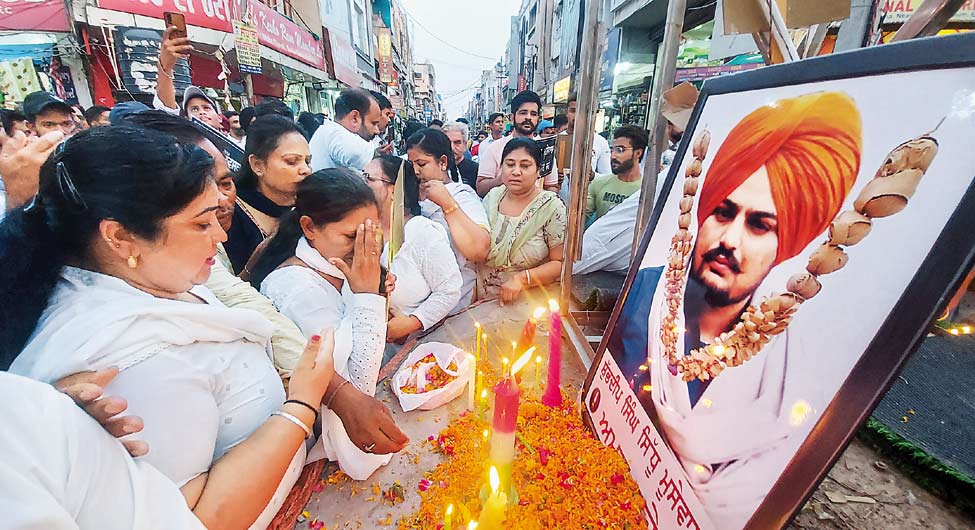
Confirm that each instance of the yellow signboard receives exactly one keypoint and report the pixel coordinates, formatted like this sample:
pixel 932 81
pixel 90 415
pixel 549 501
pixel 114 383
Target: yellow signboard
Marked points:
pixel 562 87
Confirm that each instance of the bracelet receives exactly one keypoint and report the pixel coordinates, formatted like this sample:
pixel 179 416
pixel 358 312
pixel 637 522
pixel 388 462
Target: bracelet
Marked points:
pixel 451 210
pixel 293 419
pixel 328 404
pixel 303 404
pixel 529 276
pixel 163 71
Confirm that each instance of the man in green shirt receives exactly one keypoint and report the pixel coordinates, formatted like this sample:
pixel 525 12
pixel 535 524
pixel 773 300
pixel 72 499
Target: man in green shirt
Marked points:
pixel 608 191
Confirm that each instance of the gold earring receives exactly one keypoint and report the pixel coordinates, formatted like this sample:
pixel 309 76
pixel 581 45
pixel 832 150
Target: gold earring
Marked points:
pixel 133 262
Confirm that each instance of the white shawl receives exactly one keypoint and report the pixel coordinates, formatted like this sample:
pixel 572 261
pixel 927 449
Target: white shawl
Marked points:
pixel 744 429
pixel 94 321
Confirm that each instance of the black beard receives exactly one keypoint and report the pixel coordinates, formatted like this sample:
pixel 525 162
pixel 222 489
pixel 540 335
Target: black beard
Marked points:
pixel 621 167
pixel 713 296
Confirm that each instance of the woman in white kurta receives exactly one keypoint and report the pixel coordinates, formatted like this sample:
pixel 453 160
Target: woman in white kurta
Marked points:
pixel 67 473
pixel 452 204
pixel 429 280
pixel 322 268
pixel 109 262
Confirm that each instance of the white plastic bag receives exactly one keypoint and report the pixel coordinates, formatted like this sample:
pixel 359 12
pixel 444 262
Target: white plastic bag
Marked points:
pixel 444 354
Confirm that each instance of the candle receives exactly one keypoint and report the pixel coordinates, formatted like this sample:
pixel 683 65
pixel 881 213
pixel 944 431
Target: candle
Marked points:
pixel 492 513
pixel 477 339
pixel 472 383
pixel 502 449
pixel 472 525
pixel 504 366
pixel 448 516
pixel 483 404
pixel 528 332
pixel 538 371
pixel 484 349
pixel 553 394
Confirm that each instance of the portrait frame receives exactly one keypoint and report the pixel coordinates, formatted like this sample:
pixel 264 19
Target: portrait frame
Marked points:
pixel 942 269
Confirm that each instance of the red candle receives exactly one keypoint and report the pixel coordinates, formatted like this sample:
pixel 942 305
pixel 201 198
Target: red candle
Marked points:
pixel 507 395
pixel 528 332
pixel 553 394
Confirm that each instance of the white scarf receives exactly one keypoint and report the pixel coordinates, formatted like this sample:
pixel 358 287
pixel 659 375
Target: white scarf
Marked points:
pixel 94 321
pixel 313 259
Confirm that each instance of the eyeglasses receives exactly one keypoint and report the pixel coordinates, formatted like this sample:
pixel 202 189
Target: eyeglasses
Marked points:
pixel 369 178
pixel 619 149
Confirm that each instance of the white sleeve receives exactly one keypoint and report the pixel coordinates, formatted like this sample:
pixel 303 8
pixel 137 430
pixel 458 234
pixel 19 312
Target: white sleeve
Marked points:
pixel 61 470
pixel 351 152
pixel 159 105
pixel 439 268
pixel 602 156
pixel 471 204
pixel 360 332
pixel 172 397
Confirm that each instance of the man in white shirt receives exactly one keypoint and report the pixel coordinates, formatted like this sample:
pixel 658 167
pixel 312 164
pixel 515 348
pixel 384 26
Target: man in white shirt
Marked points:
pixel 495 124
pixel 346 142
pixel 195 102
pixel 386 109
pixel 600 147
pixel 525 109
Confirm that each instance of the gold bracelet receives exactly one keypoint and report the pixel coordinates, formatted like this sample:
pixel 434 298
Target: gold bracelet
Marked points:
pixel 528 275
pixel 328 404
pixel 451 210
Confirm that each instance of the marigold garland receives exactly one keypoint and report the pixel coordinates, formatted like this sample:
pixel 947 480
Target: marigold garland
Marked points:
pixel 565 477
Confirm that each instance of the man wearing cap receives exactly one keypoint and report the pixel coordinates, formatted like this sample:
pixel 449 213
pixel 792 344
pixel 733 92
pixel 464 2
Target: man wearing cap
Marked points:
pixel 195 102
pixel 46 113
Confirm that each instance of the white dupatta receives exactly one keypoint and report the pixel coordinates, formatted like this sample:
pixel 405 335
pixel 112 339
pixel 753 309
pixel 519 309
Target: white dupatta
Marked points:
pixel 94 321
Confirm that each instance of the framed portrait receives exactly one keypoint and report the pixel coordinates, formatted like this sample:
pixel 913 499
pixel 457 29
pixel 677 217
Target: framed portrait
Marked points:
pixel 815 218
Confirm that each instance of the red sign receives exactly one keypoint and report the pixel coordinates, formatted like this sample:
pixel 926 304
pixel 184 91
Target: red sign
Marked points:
pixel 212 14
pixel 898 11
pixel 278 33
pixel 341 56
pixel 33 15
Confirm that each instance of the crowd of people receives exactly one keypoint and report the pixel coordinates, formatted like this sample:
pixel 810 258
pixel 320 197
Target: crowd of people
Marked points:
pixel 229 326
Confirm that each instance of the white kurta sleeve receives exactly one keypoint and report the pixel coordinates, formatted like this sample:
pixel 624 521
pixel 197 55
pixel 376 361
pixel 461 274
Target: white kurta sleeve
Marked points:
pixel 159 105
pixel 435 259
pixel 360 328
pixel 351 152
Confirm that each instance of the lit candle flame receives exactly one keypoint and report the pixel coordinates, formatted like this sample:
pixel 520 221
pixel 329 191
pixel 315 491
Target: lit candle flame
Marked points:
pixel 538 359
pixel 522 361
pixel 800 411
pixel 966 329
pixel 553 306
pixel 538 313
pixel 718 349
pixel 472 525
pixel 484 394
pixel 953 331
pixel 495 480
pixel 486 433
pixel 450 509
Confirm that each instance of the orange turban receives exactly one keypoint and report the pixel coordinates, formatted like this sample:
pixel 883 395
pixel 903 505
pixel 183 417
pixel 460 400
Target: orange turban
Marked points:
pixel 810 147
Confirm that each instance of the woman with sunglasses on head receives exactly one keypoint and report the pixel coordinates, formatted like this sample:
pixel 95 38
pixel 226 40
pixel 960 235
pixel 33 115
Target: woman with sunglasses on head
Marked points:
pixel 527 227
pixel 322 267
pixel 452 204
pixel 104 268
pixel 276 159
pixel 428 278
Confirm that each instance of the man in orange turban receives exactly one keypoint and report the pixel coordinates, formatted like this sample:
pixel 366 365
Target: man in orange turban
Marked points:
pixel 775 184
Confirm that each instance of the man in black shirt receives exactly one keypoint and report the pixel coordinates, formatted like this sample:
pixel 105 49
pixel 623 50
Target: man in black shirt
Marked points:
pixel 458 133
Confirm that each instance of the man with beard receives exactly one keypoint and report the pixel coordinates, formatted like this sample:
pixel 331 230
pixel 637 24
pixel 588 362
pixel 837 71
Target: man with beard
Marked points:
pixel 386 109
pixel 237 133
pixel 525 109
pixel 346 142
pixel 608 191
pixel 774 186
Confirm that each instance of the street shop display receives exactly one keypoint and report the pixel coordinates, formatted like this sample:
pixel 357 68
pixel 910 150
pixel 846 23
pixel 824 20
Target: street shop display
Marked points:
pixel 806 235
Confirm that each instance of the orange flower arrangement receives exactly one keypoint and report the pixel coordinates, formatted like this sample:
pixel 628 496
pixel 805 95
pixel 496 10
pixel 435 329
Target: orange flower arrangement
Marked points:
pixel 565 478
pixel 434 378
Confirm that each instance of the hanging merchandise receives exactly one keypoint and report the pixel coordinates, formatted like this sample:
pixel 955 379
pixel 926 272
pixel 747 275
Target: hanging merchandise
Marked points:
pixel 18 78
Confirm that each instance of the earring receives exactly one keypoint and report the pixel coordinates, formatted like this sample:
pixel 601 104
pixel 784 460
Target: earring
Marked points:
pixel 133 262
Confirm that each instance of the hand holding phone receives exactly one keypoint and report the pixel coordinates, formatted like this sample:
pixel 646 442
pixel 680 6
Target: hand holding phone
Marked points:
pixel 178 20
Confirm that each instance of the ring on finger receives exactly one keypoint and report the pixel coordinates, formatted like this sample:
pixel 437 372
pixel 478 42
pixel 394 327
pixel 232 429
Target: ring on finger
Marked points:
pixel 369 448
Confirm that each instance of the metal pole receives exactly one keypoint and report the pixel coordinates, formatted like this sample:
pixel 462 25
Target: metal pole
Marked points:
pixel 928 19
pixel 593 42
pixel 663 80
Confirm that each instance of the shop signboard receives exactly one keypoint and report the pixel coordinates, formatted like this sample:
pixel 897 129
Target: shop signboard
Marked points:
pixel 731 388
pixel 67 85
pixel 278 33
pixel 33 15
pixel 138 54
pixel 397 101
pixel 385 55
pixel 562 87
pixel 248 48
pixel 704 72
pixel 898 11
pixel 211 14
